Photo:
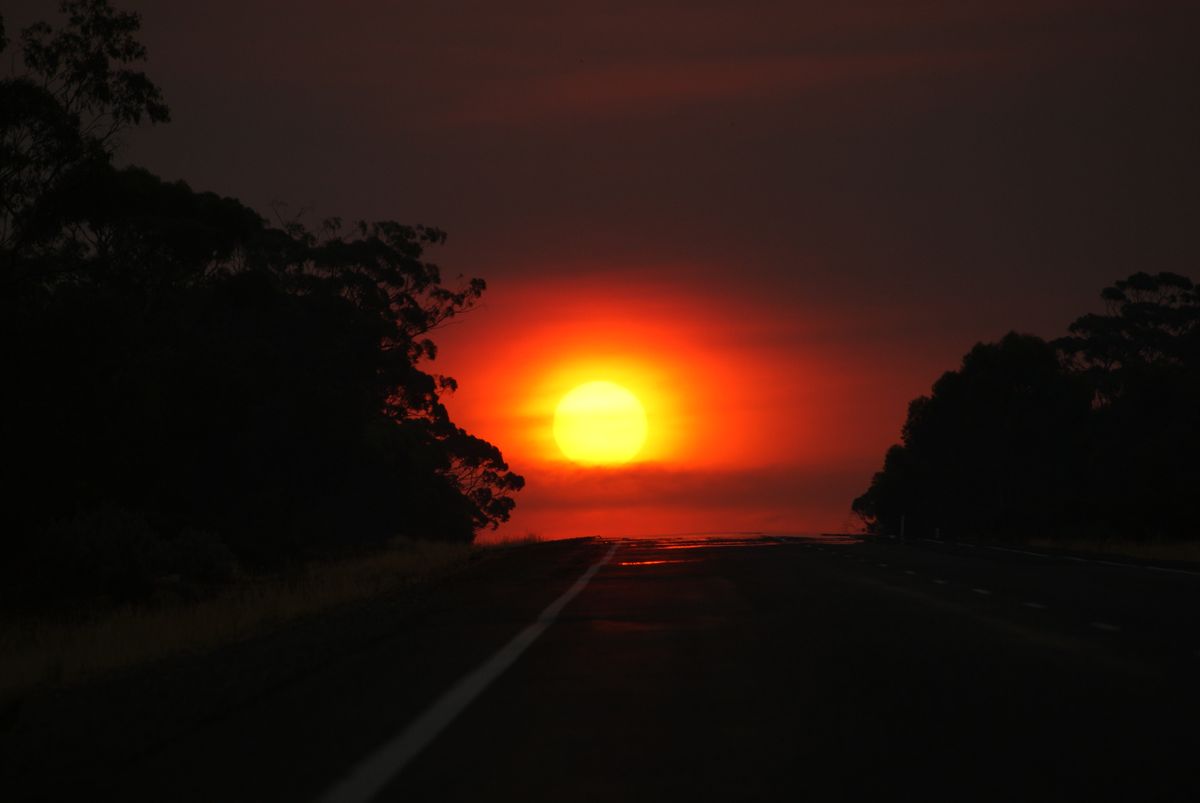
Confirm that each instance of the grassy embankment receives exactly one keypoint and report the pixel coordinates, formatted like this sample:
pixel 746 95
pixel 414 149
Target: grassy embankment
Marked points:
pixel 61 650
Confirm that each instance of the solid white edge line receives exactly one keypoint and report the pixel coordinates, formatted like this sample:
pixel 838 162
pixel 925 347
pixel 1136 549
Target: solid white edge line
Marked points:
pixel 375 771
pixel 1164 569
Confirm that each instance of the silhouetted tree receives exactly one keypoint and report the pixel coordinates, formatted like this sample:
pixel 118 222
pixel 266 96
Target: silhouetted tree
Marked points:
pixel 995 449
pixel 182 370
pixel 1142 360
pixel 1149 332
pixel 1093 434
pixel 64 113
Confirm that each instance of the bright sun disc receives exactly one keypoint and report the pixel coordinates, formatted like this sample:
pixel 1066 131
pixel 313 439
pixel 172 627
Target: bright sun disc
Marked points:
pixel 599 423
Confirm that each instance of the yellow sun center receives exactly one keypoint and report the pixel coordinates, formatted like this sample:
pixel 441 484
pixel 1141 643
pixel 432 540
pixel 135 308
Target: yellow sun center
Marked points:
pixel 599 423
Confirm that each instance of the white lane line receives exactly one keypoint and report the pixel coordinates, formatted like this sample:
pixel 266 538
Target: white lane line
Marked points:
pixel 909 571
pixel 1037 606
pixel 1115 563
pixel 940 581
pixel 882 565
pixel 1106 627
pixel 375 771
pixel 982 591
pixel 1165 569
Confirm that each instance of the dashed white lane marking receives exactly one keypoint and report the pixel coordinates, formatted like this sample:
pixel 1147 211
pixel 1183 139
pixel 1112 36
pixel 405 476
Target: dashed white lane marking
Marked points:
pixel 374 772
pixel 1106 627
pixel 982 591
pixel 882 565
pixel 909 571
pixel 1037 606
pixel 940 581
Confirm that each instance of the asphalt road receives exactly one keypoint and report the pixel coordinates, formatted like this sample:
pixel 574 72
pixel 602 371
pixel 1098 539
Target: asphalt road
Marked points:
pixel 757 669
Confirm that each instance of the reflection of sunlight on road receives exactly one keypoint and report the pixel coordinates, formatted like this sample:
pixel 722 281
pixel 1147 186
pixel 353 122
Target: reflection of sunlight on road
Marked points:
pixel 722 540
pixel 718 544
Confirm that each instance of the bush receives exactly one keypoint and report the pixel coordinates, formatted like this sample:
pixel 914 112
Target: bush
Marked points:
pixel 198 556
pixel 110 552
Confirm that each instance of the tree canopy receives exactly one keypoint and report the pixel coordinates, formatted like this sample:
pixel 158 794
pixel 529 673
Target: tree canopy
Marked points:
pixel 176 358
pixel 1092 434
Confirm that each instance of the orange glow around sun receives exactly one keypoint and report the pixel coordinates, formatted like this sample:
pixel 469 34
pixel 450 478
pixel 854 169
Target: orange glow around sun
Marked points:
pixel 702 395
pixel 738 410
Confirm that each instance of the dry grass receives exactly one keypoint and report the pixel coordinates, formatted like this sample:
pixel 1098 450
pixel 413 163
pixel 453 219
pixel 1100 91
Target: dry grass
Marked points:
pixel 512 540
pixel 1140 550
pixel 50 652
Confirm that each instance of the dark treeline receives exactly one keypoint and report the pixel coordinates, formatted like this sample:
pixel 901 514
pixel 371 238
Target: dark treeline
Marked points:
pixel 1096 434
pixel 188 387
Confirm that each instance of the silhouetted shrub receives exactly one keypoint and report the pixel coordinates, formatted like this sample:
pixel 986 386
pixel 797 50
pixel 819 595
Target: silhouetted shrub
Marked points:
pixel 108 552
pixel 199 557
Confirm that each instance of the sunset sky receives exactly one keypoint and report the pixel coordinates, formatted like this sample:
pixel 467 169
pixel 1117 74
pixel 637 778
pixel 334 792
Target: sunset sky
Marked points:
pixel 774 222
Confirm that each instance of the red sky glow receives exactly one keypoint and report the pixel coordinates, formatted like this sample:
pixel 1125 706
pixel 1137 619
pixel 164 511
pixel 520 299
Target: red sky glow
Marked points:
pixel 775 222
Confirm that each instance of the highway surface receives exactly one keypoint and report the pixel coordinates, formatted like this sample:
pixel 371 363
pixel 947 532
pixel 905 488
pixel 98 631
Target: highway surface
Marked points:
pixel 768 668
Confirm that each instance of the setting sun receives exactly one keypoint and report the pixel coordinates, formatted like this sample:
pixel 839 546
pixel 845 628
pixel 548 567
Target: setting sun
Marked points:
pixel 600 423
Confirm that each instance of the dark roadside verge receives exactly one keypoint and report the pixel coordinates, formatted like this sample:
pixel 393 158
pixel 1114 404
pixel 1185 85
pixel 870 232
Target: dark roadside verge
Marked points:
pixel 1161 554
pixel 55 641
pixel 1164 555
pixel 95 735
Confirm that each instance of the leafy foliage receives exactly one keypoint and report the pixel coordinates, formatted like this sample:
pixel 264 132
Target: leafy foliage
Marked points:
pixel 78 91
pixel 1150 329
